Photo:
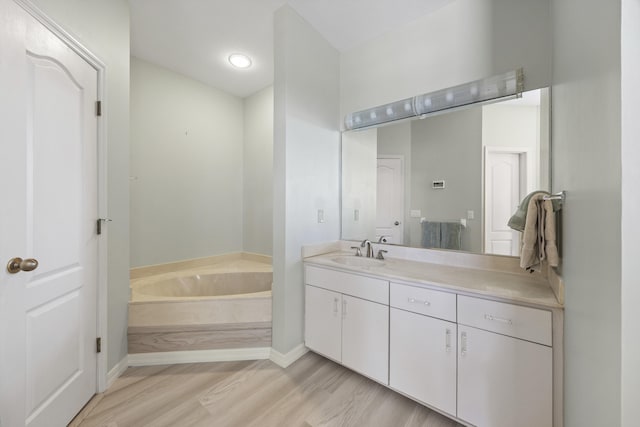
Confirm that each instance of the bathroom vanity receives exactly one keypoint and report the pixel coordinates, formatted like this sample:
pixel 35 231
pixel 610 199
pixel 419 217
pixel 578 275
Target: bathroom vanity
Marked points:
pixel 481 346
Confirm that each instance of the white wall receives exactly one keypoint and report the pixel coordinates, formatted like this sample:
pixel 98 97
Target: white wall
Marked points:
pixel 359 183
pixel 630 293
pixel 186 160
pixel 587 164
pixel 103 27
pixel 257 212
pixel 306 163
pixel 462 41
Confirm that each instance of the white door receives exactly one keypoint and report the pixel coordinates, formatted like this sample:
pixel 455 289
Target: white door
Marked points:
pixel 422 358
pixel 365 337
pixel 323 322
pixel 390 200
pixel 502 196
pixel 48 213
pixel 503 381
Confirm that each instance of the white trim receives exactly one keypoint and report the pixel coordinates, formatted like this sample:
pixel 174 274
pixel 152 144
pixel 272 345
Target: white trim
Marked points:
pixel 197 356
pixel 100 67
pixel 284 360
pixel 116 371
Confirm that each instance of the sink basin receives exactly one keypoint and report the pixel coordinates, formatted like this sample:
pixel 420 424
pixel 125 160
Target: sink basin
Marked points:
pixel 355 261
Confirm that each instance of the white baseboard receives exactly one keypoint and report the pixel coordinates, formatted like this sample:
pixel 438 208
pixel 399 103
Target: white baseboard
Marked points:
pixel 284 360
pixel 197 356
pixel 117 370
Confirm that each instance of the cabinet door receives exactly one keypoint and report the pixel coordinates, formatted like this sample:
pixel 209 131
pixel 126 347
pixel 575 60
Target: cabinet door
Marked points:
pixel 503 381
pixel 365 338
pixel 422 358
pixel 323 321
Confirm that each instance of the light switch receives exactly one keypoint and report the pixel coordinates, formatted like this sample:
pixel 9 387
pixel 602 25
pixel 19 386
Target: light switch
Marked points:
pixel 320 215
pixel 470 215
pixel 416 213
pixel 356 214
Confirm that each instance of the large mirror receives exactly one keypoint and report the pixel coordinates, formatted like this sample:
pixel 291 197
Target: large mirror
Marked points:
pixel 448 181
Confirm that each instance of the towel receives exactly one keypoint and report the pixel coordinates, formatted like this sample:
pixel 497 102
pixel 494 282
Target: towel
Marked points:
pixel 539 235
pixel 450 235
pixel 430 234
pixel 517 221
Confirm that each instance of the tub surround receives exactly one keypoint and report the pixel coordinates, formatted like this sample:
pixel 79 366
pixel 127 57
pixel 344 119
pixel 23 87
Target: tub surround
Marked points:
pixel 160 322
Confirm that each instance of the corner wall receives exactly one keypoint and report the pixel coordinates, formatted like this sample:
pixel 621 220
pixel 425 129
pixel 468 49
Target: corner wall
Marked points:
pixel 306 163
pixel 257 209
pixel 103 27
pixel 186 163
pixel 586 152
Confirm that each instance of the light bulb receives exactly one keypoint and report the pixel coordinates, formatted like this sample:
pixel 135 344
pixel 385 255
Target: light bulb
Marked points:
pixel 240 60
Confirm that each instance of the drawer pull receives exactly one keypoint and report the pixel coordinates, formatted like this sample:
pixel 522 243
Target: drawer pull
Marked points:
pixel 418 301
pixel 448 341
pixel 498 319
pixel 335 306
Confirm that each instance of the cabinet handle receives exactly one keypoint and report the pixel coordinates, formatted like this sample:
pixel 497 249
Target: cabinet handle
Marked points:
pixel 448 340
pixel 335 306
pixel 498 319
pixel 418 301
pixel 463 343
pixel 344 308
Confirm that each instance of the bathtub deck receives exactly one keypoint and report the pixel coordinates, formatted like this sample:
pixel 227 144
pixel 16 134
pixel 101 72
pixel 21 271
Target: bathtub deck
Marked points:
pixel 152 339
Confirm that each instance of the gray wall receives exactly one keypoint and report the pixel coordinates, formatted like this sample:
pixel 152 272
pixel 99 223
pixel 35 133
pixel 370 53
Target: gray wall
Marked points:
pixel 587 164
pixel 630 211
pixel 306 163
pixel 186 160
pixel 103 27
pixel 257 209
pixel 448 147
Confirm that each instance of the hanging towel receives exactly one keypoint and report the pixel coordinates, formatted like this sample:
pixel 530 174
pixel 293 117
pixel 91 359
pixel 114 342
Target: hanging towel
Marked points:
pixel 518 219
pixel 430 234
pixel 450 235
pixel 539 235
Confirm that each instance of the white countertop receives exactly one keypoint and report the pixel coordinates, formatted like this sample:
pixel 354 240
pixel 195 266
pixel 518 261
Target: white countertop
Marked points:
pixel 525 288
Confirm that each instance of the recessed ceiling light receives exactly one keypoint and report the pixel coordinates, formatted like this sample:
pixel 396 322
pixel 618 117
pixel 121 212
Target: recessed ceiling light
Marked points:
pixel 239 60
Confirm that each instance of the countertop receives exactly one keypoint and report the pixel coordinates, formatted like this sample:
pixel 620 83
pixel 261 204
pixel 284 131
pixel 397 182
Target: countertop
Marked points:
pixel 525 288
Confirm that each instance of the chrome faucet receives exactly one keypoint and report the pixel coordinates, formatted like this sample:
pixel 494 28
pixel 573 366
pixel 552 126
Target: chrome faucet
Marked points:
pixel 367 243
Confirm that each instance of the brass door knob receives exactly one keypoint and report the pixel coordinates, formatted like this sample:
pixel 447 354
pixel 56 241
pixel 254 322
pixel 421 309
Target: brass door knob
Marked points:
pixel 18 264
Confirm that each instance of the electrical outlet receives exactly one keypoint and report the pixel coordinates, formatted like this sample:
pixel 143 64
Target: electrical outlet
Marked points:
pixel 320 216
pixel 470 214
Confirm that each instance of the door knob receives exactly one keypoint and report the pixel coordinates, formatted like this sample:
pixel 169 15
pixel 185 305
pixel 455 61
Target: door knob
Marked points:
pixel 18 264
pixel 396 223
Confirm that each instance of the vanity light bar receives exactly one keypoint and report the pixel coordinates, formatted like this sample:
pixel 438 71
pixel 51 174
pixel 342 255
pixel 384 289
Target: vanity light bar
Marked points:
pixel 507 84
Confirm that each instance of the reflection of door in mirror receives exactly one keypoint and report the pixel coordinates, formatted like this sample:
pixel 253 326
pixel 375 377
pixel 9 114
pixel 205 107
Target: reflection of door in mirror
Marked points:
pixel 505 181
pixel 390 200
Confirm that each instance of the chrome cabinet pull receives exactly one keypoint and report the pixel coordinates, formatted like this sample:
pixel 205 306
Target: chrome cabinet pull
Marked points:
pixel 463 343
pixel 344 308
pixel 418 301
pixel 448 340
pixel 335 306
pixel 498 319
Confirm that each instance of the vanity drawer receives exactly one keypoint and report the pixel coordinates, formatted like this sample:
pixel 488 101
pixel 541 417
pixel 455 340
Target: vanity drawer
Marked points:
pixel 424 301
pixel 529 324
pixel 368 288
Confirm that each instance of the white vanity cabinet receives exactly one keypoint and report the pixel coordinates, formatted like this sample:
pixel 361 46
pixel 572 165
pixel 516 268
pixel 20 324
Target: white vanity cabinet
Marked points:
pixel 504 369
pixel 347 320
pixel 422 346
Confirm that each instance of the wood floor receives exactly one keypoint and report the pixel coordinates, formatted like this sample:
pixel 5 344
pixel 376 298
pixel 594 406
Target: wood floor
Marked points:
pixel 312 392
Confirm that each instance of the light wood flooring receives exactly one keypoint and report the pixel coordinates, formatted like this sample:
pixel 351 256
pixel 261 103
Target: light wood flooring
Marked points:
pixel 312 392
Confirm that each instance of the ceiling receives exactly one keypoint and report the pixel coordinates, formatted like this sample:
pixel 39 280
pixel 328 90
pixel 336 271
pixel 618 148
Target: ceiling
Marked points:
pixel 195 37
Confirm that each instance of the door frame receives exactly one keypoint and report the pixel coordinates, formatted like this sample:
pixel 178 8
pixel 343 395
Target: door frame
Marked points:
pixel 102 261
pixel 528 162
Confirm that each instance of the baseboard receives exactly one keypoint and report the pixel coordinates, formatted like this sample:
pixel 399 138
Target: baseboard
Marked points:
pixel 117 370
pixel 284 360
pixel 198 356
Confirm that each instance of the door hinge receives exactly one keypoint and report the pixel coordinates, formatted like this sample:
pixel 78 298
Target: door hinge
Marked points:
pixel 98 345
pixel 98 108
pixel 99 222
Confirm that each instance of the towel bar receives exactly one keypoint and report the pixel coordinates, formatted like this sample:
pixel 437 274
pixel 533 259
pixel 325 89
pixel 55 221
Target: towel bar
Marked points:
pixel 556 196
